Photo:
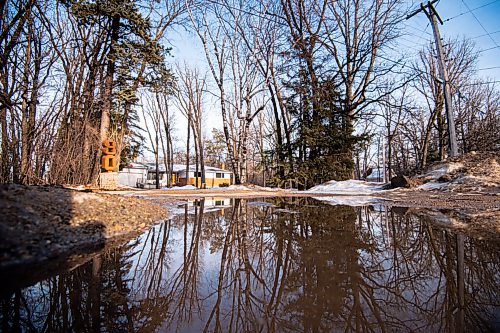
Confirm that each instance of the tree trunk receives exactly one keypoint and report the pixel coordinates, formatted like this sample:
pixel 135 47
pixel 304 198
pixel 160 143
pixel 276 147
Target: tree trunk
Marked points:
pixel 201 153
pixel 108 85
pixel 4 162
pixel 442 136
pixel 14 152
pixel 279 135
pixel 25 116
pixel 167 153
pixel 230 150
pixel 427 137
pixel 157 176
pixel 187 147
pixel 196 158
pixel 286 128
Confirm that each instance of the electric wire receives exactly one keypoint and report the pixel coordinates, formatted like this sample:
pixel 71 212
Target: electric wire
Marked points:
pixel 266 16
pixel 470 10
pixel 478 21
pixel 488 49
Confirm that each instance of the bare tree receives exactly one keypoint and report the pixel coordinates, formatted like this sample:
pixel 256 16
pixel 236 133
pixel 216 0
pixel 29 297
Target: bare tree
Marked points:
pixel 190 93
pixel 231 64
pixel 461 64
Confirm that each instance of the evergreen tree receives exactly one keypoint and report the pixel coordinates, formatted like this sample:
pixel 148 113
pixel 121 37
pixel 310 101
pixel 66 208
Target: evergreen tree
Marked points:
pixel 134 59
pixel 323 145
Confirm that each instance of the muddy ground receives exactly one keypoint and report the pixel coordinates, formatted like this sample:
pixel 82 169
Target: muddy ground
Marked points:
pixel 471 201
pixel 46 224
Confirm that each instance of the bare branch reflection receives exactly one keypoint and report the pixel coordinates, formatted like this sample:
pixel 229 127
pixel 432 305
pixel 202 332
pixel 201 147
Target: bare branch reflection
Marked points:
pixel 281 265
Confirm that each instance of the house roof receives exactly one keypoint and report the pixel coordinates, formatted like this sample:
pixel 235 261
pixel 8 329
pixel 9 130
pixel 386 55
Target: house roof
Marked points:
pixel 136 165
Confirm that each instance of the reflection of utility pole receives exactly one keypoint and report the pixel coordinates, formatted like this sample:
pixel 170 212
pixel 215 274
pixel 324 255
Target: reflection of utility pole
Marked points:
pixel 384 174
pixel 433 17
pixel 460 316
pixel 378 160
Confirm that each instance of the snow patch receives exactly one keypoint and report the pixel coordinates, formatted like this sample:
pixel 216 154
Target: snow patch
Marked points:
pixel 442 219
pixel 348 187
pixel 177 188
pixel 443 169
pixel 245 188
pixel 432 186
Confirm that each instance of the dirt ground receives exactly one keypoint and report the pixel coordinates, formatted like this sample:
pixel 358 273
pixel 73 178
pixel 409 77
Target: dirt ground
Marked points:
pixel 41 223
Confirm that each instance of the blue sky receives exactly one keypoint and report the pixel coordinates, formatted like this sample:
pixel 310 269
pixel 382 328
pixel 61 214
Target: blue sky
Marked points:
pixel 459 22
pixel 463 23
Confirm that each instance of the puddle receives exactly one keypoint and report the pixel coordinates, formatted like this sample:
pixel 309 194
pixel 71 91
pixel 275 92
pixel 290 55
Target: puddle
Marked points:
pixel 251 265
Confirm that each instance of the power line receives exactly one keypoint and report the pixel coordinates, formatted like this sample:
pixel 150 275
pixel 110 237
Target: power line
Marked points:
pixel 266 16
pixel 418 36
pixel 470 10
pixel 480 83
pixel 423 31
pixel 488 68
pixel 484 35
pixel 488 49
pixel 478 21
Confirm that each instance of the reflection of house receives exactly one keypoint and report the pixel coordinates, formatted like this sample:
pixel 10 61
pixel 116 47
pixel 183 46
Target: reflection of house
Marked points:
pixel 144 175
pixel 213 202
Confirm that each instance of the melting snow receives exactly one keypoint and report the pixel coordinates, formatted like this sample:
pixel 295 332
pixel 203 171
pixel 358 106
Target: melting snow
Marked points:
pixel 432 186
pixel 348 187
pixel 444 169
pixel 185 187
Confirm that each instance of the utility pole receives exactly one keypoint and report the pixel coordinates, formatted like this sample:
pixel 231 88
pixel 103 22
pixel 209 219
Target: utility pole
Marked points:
pixel 384 169
pixel 433 17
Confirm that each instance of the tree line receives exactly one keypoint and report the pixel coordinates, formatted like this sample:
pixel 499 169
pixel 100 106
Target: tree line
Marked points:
pixel 71 71
pixel 308 91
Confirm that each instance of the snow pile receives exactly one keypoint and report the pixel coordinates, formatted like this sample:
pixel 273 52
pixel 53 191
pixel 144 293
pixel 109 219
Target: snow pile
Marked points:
pixel 247 187
pixel 432 186
pixel 177 188
pixel 473 172
pixel 348 187
pixel 442 169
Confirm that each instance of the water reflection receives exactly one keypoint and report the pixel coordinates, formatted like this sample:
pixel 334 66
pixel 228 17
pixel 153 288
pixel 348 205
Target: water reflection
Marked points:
pixel 287 265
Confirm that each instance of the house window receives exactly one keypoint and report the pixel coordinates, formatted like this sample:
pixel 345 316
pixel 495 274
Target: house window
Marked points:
pixel 219 175
pixel 199 174
pixel 152 175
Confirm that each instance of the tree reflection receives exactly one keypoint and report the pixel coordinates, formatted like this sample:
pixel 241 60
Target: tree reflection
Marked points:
pixel 291 265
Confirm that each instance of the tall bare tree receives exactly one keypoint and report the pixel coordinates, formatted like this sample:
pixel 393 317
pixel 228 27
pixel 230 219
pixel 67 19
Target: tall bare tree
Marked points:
pixel 190 92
